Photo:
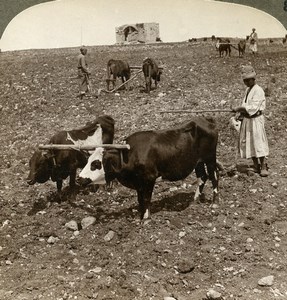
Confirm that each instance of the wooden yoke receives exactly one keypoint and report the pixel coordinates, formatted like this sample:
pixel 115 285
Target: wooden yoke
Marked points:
pixel 79 148
pixel 197 111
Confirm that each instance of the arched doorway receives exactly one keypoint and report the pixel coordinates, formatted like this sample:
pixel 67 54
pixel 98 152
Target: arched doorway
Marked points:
pixel 128 31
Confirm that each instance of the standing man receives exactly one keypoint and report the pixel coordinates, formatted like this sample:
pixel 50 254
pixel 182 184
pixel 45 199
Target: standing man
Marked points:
pixel 252 137
pixel 253 41
pixel 83 73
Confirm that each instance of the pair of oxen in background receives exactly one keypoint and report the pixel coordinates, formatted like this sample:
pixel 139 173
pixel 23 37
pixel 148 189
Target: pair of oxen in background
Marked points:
pixel 171 154
pixel 224 46
pixel 121 69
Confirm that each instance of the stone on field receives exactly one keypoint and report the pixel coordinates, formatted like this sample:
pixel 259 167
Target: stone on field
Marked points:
pixel 109 236
pixel 185 266
pixel 213 295
pixel 86 222
pixel 52 240
pixel 72 225
pixel 266 281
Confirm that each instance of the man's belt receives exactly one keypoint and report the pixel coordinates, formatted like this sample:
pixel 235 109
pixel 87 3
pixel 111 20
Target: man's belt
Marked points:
pixel 257 114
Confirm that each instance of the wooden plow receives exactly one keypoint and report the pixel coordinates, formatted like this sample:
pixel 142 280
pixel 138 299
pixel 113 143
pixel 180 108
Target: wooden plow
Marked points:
pixel 124 83
pixel 234 47
pixel 84 148
pixel 139 68
pixel 187 111
pixel 222 43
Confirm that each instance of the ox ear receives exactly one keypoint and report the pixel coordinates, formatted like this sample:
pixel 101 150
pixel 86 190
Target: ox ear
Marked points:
pixel 191 127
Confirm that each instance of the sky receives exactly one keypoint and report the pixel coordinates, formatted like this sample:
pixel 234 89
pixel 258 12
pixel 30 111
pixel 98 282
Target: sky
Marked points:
pixel 70 23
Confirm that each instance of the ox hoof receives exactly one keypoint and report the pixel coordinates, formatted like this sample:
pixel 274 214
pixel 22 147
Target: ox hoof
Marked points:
pixel 215 198
pixel 146 221
pixel 200 198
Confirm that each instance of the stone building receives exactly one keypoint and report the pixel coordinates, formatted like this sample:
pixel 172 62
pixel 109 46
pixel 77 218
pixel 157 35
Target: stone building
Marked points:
pixel 138 33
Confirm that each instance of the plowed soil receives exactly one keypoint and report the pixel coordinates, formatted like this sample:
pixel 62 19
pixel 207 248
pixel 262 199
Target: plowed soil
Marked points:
pixel 186 248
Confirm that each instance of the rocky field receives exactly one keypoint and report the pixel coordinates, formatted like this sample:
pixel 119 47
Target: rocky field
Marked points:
pixel 233 250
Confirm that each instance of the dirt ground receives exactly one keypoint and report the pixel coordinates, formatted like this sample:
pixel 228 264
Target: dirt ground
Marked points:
pixel 186 249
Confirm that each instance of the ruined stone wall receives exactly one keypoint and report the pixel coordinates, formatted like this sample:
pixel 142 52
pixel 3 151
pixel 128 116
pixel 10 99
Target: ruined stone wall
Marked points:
pixel 137 33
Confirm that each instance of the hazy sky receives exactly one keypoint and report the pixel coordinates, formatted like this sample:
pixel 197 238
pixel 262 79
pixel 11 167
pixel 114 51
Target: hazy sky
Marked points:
pixel 69 23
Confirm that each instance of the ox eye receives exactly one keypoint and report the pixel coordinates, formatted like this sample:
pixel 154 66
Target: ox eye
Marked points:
pixel 96 165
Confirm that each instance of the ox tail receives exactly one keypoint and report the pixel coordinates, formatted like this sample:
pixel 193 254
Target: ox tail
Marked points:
pixel 128 75
pixel 109 71
pixel 109 74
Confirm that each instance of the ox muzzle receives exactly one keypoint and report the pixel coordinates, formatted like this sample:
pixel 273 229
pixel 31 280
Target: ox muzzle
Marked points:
pixel 83 181
pixel 31 178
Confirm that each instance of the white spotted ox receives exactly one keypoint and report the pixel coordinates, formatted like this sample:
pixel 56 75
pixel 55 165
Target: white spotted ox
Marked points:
pixel 57 165
pixel 171 154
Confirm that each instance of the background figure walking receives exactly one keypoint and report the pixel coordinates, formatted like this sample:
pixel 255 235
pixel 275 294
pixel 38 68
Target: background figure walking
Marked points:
pixel 83 73
pixel 253 41
pixel 252 137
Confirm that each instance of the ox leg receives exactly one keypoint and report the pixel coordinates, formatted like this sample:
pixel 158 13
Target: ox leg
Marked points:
pixel 114 82
pixel 147 83
pixel 213 176
pixel 108 84
pixel 72 183
pixel 59 183
pixel 201 180
pixel 144 200
pixel 123 81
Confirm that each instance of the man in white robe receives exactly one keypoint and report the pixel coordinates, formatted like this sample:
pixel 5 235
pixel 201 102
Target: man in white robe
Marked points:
pixel 253 38
pixel 252 138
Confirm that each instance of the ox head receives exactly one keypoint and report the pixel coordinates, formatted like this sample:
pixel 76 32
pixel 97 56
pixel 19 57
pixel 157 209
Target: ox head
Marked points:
pixel 40 167
pixel 93 172
pixel 102 167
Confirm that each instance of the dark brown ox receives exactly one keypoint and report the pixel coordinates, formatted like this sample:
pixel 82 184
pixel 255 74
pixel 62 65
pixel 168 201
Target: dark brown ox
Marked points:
pixel 241 48
pixel 223 46
pixel 151 71
pixel 117 68
pixel 171 154
pixel 57 165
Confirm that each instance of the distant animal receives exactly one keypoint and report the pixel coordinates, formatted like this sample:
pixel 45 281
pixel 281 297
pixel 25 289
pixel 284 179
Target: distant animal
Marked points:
pixel 171 154
pixel 223 46
pixel 57 165
pixel 284 40
pixel 151 71
pixel 117 68
pixel 241 47
pixel 192 40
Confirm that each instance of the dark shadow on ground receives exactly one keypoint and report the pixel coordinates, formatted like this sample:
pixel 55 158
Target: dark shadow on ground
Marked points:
pixel 102 212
